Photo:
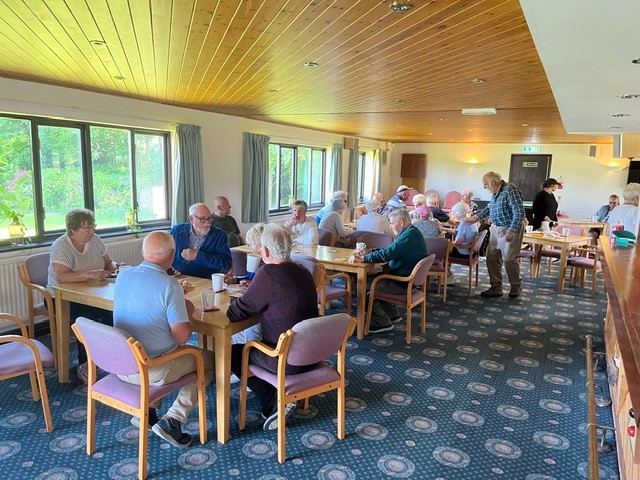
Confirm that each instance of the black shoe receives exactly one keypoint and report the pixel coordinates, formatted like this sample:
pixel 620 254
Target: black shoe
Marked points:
pixel 515 292
pixel 166 428
pixel 491 293
pixel 382 328
pixel 153 419
pixel 271 422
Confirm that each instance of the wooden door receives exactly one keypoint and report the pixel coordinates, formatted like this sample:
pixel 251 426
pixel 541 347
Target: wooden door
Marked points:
pixel 528 172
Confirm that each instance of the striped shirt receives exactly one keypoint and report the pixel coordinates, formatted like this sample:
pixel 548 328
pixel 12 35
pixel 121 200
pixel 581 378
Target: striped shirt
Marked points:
pixel 63 252
pixel 505 208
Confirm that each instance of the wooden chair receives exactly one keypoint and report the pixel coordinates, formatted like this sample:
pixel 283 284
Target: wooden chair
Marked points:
pixel 473 259
pixel 439 246
pixel 310 342
pixel 376 240
pixel 585 259
pixel 433 192
pixel 33 273
pixel 117 353
pixel 450 199
pixel 19 355
pixel 409 299
pixel 551 253
pixel 326 238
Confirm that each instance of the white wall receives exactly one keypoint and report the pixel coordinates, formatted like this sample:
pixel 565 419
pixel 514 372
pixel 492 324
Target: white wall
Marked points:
pixel 588 181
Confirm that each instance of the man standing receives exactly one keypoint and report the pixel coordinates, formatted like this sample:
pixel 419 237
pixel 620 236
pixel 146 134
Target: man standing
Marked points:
pixel 222 219
pixel 402 255
pixel 602 215
pixel 397 201
pixel 200 248
pixel 150 306
pixel 506 210
pixel 305 230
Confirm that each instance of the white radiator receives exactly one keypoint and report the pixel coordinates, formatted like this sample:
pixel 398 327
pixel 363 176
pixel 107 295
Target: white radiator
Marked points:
pixel 13 297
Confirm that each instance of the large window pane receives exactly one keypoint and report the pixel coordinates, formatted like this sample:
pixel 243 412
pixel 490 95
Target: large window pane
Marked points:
pixel 151 194
pixel 111 166
pixel 16 176
pixel 303 170
pixel 61 168
pixel 286 176
pixel 317 174
pixel 274 176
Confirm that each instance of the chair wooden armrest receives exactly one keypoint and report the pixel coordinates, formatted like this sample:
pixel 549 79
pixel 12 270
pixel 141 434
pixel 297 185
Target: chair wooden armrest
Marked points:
pixel 585 250
pixel 390 277
pixel 152 362
pixel 272 352
pixel 17 321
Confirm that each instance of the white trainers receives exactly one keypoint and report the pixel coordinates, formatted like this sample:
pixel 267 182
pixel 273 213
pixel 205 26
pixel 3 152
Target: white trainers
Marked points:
pixel 234 378
pixel 271 422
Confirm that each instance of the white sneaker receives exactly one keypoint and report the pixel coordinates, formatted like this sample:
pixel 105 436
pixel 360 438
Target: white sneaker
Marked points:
pixel 271 422
pixel 235 378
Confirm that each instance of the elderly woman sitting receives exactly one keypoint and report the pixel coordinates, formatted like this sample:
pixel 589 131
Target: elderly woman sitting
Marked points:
pixel 467 231
pixel 373 221
pixel 424 222
pixel 465 197
pixel 332 221
pixel 418 201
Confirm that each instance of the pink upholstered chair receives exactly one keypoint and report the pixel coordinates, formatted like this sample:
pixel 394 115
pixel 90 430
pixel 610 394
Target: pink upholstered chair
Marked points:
pixel 439 246
pixel 585 259
pixel 117 353
pixel 412 298
pixel 433 192
pixel 552 253
pixel 473 258
pixel 19 355
pixel 309 342
pixel 326 290
pixel 450 199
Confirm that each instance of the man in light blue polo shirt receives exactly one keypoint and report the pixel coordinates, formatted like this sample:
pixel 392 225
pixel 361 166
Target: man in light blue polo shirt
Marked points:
pixel 150 306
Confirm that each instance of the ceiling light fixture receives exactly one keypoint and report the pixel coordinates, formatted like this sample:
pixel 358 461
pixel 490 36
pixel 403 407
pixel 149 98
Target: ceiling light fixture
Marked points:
pixel 612 127
pixel 273 90
pixel 629 96
pixel 478 80
pixel 524 124
pixel 120 77
pixel 619 115
pixel 636 61
pixel 479 111
pixel 400 6
pixel 311 64
pixel 99 43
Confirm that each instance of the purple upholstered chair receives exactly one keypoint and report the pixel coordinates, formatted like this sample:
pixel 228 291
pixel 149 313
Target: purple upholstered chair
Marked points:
pixel 439 246
pixel 376 240
pixel 416 293
pixel 19 355
pixel 473 258
pixel 309 342
pixel 238 263
pixel 117 353
pixel 326 238
pixel 585 259
pixel 552 253
pixel 326 290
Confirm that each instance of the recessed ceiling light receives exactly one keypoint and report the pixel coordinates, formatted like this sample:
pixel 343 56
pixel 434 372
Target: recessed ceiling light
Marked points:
pixel 429 133
pixel 120 77
pixel 478 80
pixel 628 96
pixel 612 127
pixel 525 124
pixel 443 119
pixel 273 90
pixel 619 115
pixel 479 111
pixel 636 61
pixel 399 126
pixel 400 6
pixel 399 100
pixel 311 64
pixel 100 43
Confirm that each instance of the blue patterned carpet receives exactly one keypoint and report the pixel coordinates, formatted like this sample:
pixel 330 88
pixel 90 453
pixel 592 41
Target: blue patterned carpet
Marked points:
pixel 494 389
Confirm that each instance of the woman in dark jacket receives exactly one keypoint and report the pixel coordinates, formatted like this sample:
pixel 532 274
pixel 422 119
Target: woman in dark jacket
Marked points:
pixel 545 205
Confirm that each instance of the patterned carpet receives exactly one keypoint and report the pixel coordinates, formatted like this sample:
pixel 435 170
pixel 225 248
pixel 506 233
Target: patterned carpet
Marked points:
pixel 494 389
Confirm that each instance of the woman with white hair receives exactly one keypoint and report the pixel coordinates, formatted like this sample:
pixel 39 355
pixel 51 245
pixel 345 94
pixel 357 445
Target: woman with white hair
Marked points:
pixel 626 214
pixel 337 195
pixel 465 197
pixel 334 223
pixel 373 221
pixel 467 231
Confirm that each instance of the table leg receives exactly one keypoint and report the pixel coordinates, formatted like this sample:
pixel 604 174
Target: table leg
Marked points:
pixel 223 383
pixel 564 254
pixel 361 297
pixel 62 325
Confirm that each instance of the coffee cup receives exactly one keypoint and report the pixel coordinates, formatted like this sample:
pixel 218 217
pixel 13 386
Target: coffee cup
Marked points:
pixel 217 280
pixel 208 299
pixel 566 232
pixel 528 229
pixel 361 246
pixel 253 263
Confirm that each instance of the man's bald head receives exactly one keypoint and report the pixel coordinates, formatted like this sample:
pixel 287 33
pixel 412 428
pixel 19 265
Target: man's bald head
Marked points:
pixel 221 206
pixel 159 247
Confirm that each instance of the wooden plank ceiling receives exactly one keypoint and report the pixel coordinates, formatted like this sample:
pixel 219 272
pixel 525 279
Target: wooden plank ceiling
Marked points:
pixel 395 77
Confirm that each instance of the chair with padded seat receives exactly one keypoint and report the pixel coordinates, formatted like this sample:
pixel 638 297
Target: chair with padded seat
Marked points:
pixel 416 293
pixel 439 246
pixel 585 259
pixel 433 192
pixel 310 342
pixel 552 253
pixel 20 355
pixel 33 273
pixel 376 240
pixel 471 260
pixel 326 238
pixel 450 199
pixel 238 263
pixel 117 353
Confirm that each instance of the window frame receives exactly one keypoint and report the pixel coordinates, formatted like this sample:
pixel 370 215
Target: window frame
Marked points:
pixel 43 237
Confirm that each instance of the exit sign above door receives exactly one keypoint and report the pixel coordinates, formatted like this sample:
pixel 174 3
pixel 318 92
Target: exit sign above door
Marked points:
pixel 530 149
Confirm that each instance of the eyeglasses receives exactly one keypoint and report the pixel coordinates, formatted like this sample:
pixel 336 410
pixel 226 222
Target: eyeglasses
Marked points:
pixel 204 219
pixel 88 228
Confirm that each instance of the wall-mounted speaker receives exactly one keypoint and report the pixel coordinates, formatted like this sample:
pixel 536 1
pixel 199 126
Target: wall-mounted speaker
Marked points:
pixel 594 150
pixel 349 143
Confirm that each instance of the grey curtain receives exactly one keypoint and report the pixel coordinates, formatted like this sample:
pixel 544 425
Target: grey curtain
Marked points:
pixel 336 167
pixel 255 182
pixel 190 177
pixel 352 185
pixel 382 160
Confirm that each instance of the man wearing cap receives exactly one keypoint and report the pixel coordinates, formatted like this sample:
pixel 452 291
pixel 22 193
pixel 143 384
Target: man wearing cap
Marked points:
pixel 397 201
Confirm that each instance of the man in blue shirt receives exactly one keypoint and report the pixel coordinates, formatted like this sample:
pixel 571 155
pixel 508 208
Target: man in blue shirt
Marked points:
pixel 150 306
pixel 200 248
pixel 506 210
pixel 602 215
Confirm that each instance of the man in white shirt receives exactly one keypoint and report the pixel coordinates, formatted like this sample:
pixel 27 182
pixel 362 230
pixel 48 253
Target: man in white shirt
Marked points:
pixel 373 221
pixel 627 213
pixel 305 229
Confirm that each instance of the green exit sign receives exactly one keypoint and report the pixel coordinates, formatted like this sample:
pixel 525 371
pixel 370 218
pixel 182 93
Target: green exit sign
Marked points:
pixel 530 149
pixel 529 164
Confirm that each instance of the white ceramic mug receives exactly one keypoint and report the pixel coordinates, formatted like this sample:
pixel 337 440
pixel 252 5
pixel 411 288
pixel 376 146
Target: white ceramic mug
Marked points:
pixel 545 226
pixel 528 229
pixel 361 246
pixel 566 232
pixel 253 262
pixel 208 299
pixel 217 280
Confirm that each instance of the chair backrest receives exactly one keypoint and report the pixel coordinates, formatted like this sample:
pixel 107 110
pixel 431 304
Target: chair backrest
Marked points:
pixel 575 229
pixel 38 268
pixel 357 234
pixel 310 264
pixel 432 192
pixel 325 237
pixel 421 270
pixel 439 246
pixel 107 346
pixel 412 193
pixel 376 240
pixel 239 259
pixel 317 339
pixel 479 239
pixel 451 198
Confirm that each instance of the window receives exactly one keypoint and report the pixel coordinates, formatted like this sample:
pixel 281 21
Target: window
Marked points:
pixel 295 173
pixel 366 187
pixel 48 167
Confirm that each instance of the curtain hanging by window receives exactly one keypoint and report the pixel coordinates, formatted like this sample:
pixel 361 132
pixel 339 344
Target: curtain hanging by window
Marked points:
pixel 190 176
pixel 255 182
pixel 352 183
pixel 336 167
pixel 382 160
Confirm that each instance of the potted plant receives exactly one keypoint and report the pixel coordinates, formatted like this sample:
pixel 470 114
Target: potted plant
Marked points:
pixel 17 228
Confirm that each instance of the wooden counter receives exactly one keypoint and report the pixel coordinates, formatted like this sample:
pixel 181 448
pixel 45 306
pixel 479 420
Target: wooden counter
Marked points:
pixel 622 338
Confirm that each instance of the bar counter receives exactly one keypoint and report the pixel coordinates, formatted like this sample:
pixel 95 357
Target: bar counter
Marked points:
pixel 621 271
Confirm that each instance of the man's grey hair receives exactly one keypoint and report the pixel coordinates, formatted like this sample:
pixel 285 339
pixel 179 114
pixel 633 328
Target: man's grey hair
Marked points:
pixel 372 205
pixel 400 214
pixel 467 192
pixel 492 178
pixel 460 210
pixel 253 235
pixel 418 198
pixel 630 191
pixel 432 200
pixel 194 207
pixel 339 194
pixel 277 238
pixel 157 244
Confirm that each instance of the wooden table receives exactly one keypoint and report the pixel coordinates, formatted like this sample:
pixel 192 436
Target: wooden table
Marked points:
pixel 586 224
pixel 564 243
pixel 336 258
pixel 210 324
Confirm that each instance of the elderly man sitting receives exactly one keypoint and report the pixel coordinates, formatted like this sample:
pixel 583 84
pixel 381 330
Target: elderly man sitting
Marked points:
pixel 337 195
pixel 150 306
pixel 437 212
pixel 398 200
pixel 374 221
pixel 304 229
pixel 403 255
pixel 222 219
pixel 200 248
